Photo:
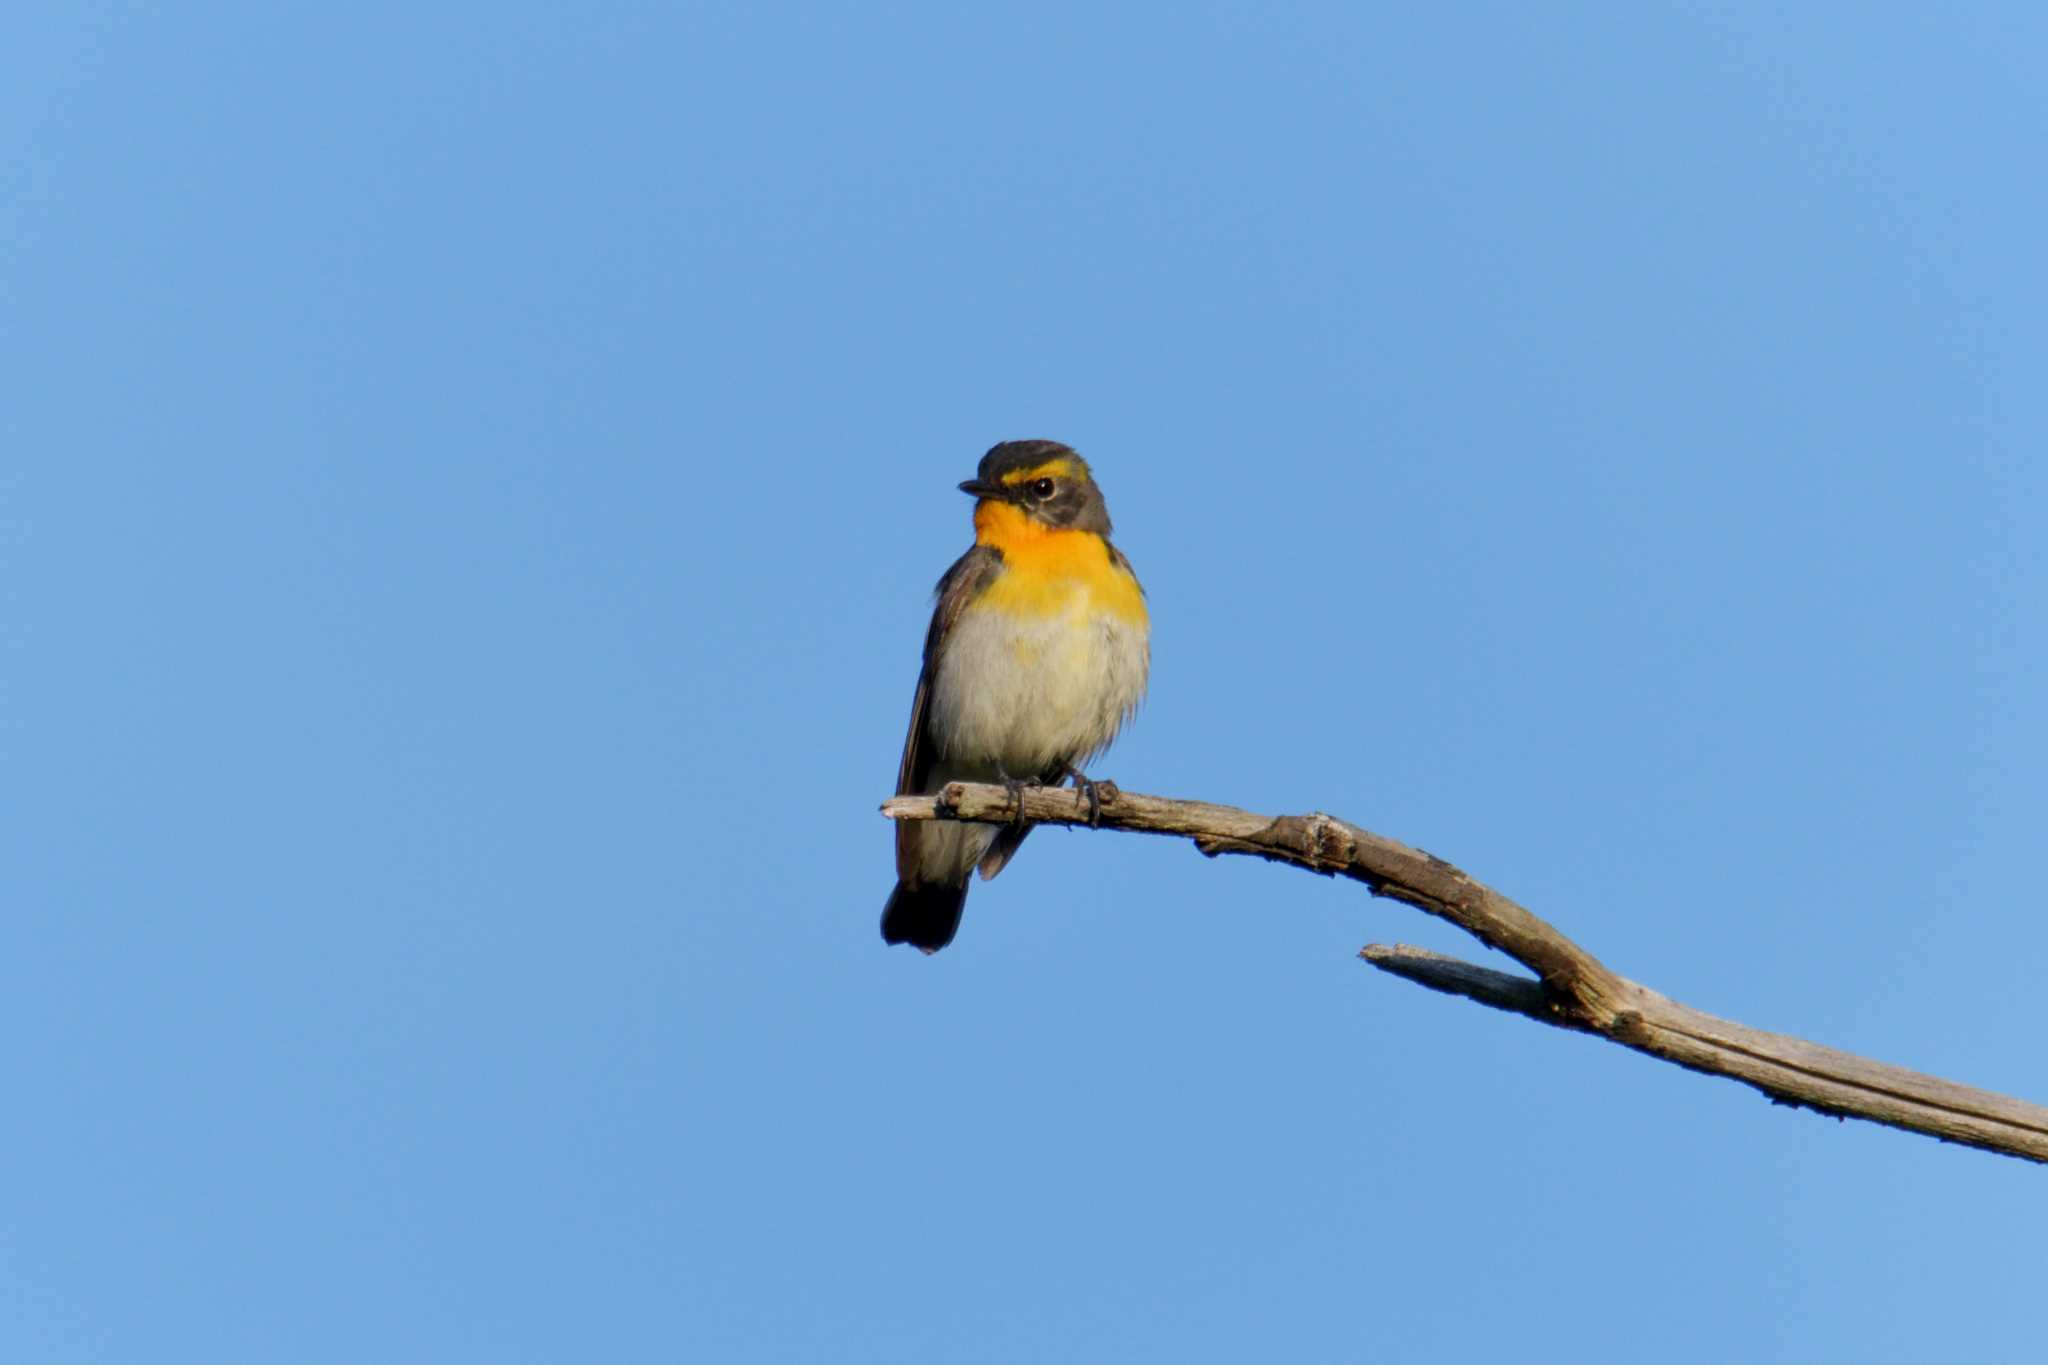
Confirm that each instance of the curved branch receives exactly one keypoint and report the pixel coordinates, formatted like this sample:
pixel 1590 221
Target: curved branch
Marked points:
pixel 1571 989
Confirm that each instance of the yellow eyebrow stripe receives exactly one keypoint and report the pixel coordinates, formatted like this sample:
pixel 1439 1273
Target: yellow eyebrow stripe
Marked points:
pixel 1062 468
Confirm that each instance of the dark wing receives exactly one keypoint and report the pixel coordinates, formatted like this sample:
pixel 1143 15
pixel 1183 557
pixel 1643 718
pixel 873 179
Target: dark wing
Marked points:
pixel 962 583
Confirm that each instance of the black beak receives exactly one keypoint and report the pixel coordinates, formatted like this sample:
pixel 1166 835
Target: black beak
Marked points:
pixel 982 490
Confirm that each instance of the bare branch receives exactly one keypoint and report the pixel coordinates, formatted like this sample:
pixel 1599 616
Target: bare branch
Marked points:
pixel 1502 990
pixel 1571 989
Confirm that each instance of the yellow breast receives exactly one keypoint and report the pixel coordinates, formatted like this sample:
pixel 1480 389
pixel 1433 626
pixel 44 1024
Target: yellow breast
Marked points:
pixel 1053 572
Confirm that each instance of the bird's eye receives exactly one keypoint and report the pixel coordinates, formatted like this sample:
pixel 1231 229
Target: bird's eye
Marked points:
pixel 1042 488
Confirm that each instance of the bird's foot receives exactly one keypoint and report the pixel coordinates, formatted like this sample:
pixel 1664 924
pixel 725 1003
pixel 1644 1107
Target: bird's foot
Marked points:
pixel 1015 787
pixel 1097 794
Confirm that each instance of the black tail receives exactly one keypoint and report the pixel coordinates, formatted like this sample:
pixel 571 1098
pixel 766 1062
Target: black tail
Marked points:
pixel 924 916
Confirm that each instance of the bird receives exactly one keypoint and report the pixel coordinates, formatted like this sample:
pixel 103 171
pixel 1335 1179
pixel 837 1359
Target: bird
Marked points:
pixel 1038 654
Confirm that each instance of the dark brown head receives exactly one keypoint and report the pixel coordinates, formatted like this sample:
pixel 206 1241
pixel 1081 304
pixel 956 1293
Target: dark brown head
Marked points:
pixel 1047 481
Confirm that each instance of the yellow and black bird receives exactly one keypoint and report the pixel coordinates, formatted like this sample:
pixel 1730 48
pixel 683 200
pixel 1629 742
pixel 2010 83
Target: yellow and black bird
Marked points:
pixel 1036 656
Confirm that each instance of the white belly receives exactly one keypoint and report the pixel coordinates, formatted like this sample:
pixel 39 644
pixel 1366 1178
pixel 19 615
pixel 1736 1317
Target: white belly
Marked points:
pixel 1031 694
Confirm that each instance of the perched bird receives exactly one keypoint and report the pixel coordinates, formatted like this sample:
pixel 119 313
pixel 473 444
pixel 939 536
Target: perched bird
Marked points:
pixel 1036 656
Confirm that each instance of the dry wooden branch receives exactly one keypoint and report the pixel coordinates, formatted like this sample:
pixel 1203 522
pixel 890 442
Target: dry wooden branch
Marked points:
pixel 1571 989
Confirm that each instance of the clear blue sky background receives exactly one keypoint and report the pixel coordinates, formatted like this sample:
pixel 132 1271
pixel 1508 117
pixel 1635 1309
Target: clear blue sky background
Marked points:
pixel 473 480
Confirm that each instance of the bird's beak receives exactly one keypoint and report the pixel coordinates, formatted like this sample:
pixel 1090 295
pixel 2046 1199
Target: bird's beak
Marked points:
pixel 981 490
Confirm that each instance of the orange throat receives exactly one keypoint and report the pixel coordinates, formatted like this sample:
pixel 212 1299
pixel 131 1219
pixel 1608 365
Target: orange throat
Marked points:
pixel 1043 564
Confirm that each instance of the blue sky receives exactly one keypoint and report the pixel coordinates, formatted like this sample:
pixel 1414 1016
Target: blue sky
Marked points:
pixel 475 478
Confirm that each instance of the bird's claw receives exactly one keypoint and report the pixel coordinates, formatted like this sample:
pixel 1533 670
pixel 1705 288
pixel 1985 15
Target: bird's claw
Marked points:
pixel 1094 793
pixel 1015 787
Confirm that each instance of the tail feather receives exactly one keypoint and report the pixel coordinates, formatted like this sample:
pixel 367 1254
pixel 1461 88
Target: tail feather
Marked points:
pixel 925 917
pixel 1002 849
